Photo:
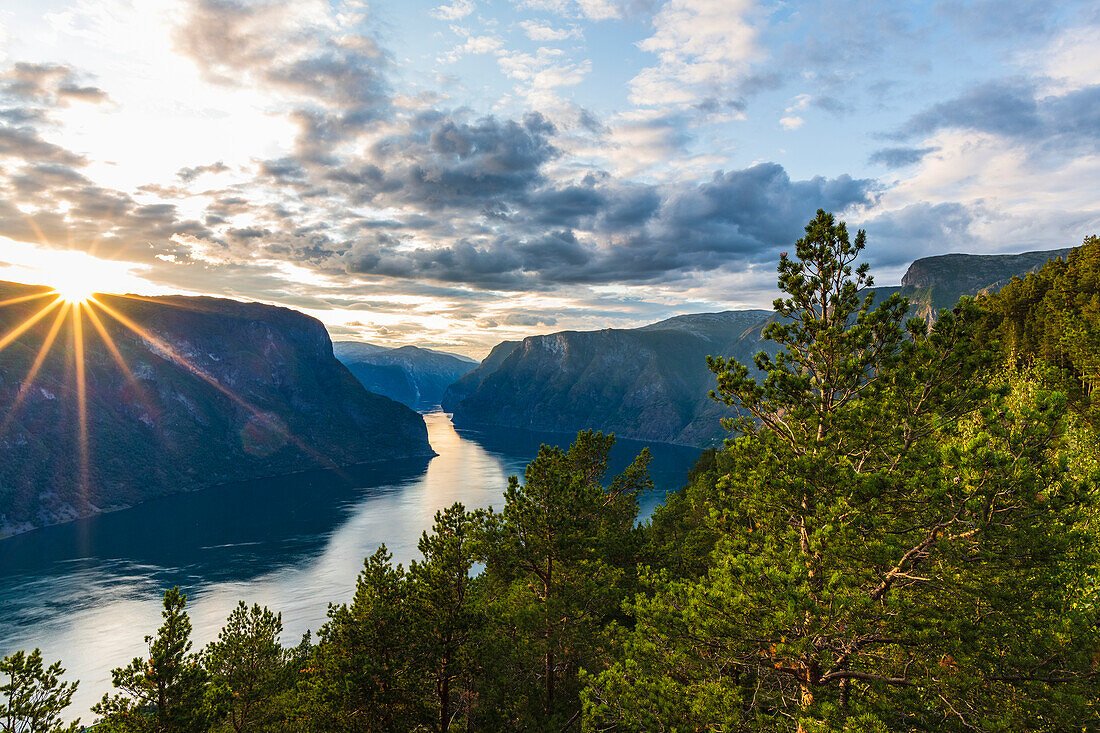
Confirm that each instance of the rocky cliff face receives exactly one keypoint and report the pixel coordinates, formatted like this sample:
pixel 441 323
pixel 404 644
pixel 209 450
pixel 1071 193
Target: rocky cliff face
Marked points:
pixel 651 383
pixel 413 376
pixel 648 384
pixel 961 273
pixel 213 391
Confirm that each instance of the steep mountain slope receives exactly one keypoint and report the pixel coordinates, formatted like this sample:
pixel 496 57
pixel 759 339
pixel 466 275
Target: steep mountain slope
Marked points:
pixel 651 383
pixel 217 391
pixel 411 375
pixel 470 382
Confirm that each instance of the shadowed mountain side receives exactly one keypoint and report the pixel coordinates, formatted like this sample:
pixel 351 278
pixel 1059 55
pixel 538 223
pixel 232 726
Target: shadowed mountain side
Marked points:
pixel 212 391
pixel 411 375
pixel 651 383
pixel 470 381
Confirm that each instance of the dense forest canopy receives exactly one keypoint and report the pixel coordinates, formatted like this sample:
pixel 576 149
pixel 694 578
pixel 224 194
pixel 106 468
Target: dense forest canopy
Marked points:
pixel 900 535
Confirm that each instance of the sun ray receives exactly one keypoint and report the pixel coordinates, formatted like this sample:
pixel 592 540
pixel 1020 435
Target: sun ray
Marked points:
pixel 37 230
pixel 25 325
pixel 171 353
pixel 81 395
pixel 25 298
pixel 109 342
pixel 32 373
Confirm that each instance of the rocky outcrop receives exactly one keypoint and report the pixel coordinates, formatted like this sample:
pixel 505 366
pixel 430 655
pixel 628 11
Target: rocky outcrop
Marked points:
pixel 411 375
pixel 213 391
pixel 651 383
pixel 972 274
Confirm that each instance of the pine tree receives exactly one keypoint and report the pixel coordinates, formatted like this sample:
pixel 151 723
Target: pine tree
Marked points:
pixel 558 562
pixel 360 673
pixel 444 621
pixel 246 665
pixel 34 695
pixel 165 692
pixel 897 548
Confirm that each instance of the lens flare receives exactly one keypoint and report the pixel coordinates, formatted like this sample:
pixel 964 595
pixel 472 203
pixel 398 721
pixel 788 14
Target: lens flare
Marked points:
pixel 73 301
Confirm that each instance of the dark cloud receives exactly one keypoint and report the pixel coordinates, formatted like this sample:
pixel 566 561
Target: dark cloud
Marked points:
pixel 1001 108
pixel 28 95
pixel 1067 122
pixel 736 217
pixel 899 157
pixel 26 144
pixel 449 163
pixel 901 236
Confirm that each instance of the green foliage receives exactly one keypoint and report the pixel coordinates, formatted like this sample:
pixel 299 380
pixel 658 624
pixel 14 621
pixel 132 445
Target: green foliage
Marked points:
pixel 401 656
pixel 898 548
pixel 445 621
pixel 164 693
pixel 1052 317
pixel 361 666
pixel 679 538
pixel 33 695
pixel 247 667
pixel 559 559
pixel 902 535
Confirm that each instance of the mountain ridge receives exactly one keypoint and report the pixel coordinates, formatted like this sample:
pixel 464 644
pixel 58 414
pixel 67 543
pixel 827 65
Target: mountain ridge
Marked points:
pixel 651 382
pixel 412 375
pixel 214 391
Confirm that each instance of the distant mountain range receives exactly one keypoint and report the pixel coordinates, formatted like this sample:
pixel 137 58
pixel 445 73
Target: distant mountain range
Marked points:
pixel 651 383
pixel 217 391
pixel 411 375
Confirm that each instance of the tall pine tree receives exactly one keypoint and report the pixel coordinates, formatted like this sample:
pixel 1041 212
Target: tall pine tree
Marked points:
pixel 897 547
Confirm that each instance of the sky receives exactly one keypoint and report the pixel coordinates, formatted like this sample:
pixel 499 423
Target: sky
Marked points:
pixel 453 175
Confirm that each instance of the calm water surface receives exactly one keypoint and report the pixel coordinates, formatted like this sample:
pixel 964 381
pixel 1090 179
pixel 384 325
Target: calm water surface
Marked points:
pixel 88 592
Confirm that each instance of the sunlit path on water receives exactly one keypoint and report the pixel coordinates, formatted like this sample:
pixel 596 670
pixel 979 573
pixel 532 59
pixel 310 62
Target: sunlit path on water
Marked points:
pixel 88 592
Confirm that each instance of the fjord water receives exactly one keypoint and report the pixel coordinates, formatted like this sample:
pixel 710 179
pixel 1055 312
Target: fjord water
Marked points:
pixel 88 592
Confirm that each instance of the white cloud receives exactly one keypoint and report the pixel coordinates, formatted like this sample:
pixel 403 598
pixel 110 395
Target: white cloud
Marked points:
pixel 791 120
pixel 455 11
pixel 542 31
pixel 589 9
pixel 703 47
pixel 1017 200
pixel 540 74
pixel 1072 61
pixel 599 9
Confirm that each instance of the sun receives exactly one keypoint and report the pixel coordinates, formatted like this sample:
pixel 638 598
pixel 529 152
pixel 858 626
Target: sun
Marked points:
pixel 74 289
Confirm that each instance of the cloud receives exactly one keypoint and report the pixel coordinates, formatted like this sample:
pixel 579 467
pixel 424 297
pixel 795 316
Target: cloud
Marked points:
pixel 899 157
pixel 596 10
pixel 542 31
pixel 704 47
pixel 900 236
pixel 1066 122
pixel 333 75
pixel 602 233
pixel 791 120
pixel 541 74
pixel 29 96
pixel 457 10
pixel 190 173
pixel 1070 61
pixel 49 85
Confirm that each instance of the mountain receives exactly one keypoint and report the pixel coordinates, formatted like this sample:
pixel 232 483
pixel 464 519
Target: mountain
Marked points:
pixel 651 383
pixel 411 375
pixel 470 381
pixel 213 391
